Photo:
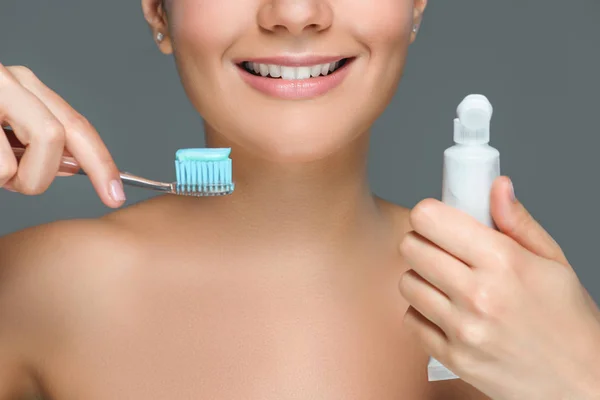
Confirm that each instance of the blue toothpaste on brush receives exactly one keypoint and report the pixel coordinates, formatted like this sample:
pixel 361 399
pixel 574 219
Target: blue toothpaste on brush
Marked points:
pixel 204 172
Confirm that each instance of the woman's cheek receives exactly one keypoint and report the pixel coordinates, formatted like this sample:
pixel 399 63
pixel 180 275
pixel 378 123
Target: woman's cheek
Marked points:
pixel 207 26
pixel 389 22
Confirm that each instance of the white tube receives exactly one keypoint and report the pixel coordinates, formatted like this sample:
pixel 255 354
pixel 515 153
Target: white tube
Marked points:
pixel 470 168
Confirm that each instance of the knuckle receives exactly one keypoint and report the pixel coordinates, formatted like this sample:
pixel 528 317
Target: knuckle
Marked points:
pixel 484 302
pixel 472 334
pixel 7 80
pixel 54 133
pixel 22 73
pixel 77 123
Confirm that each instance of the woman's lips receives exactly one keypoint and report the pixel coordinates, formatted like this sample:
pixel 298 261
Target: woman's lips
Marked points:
pixel 288 86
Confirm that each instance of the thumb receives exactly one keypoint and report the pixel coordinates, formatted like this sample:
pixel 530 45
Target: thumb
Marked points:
pixel 513 219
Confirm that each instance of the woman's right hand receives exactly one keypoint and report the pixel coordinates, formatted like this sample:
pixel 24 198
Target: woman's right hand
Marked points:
pixel 48 128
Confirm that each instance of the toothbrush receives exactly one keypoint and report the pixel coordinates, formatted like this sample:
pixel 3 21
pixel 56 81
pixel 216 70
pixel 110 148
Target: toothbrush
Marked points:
pixel 200 172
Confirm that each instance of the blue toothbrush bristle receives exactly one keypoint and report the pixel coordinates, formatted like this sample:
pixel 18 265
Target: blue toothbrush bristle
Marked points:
pixel 206 172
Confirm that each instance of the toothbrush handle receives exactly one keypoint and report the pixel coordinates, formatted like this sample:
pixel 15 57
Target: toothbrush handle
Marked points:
pixel 70 166
pixel 67 164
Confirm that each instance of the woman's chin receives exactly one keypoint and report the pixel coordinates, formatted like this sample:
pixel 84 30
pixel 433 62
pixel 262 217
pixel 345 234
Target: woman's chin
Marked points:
pixel 297 149
pixel 288 136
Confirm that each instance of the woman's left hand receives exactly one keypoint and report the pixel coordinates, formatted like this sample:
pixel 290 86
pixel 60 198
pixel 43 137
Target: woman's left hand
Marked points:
pixel 502 309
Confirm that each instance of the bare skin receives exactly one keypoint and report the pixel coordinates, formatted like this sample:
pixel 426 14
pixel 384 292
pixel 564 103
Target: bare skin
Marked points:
pixel 144 304
pixel 288 289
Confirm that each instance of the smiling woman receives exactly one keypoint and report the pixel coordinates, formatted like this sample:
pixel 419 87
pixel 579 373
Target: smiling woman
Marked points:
pixel 288 288
pixel 280 292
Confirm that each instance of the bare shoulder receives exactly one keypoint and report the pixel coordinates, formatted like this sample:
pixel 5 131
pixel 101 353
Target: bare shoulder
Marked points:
pixel 43 267
pixel 66 246
pixel 60 279
pixel 47 270
pixel 77 245
pixel 56 241
pixel 41 270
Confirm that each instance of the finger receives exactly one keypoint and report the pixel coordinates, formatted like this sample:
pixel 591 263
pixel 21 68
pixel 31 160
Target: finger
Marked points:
pixel 82 141
pixel 513 219
pixel 426 299
pixel 37 129
pixel 8 162
pixel 459 234
pixel 66 169
pixel 446 273
pixel 433 339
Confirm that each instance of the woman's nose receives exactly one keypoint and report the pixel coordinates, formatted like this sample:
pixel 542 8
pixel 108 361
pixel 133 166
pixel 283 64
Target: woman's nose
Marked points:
pixel 295 16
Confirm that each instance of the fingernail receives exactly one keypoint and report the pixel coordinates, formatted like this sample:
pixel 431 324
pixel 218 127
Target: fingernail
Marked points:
pixel 116 191
pixel 513 198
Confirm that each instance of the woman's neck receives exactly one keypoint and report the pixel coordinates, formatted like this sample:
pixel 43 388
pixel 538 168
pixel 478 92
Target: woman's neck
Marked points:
pixel 322 201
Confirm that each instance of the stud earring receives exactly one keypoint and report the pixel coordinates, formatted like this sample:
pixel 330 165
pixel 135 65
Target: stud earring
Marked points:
pixel 160 37
pixel 415 28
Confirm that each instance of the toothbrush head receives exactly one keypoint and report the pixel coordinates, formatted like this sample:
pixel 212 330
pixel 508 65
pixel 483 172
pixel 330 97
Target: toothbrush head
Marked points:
pixel 203 172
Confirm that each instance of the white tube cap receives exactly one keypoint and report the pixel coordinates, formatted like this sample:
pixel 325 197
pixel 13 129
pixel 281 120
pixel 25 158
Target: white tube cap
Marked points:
pixel 473 123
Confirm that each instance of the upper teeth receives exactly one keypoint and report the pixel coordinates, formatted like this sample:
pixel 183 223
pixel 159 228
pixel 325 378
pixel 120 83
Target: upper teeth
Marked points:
pixel 276 71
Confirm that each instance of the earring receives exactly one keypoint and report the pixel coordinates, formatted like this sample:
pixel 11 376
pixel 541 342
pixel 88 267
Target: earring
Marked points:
pixel 415 28
pixel 160 37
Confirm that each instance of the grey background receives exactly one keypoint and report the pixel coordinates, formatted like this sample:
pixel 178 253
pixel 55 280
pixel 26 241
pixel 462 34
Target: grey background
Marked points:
pixel 536 60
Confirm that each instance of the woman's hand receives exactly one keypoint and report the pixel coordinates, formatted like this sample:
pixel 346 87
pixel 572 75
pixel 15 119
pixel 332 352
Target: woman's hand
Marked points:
pixel 48 128
pixel 503 310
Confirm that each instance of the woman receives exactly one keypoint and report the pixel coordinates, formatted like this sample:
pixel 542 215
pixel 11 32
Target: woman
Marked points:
pixel 289 287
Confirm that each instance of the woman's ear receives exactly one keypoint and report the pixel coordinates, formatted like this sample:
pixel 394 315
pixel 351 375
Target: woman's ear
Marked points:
pixel 418 10
pixel 156 16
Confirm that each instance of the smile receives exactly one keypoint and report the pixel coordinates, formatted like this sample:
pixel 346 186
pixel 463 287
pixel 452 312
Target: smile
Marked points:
pixel 295 78
pixel 290 72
